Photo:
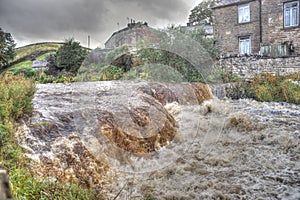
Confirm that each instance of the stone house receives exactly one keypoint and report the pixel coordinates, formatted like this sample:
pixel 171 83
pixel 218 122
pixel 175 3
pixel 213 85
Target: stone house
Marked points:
pixel 39 64
pixel 209 31
pixel 265 27
pixel 130 35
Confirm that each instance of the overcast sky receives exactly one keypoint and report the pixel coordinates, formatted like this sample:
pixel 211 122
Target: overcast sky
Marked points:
pixel 31 21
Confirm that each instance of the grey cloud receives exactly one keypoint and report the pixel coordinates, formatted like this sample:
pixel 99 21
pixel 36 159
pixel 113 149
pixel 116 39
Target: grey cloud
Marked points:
pixel 40 17
pixel 152 11
pixel 57 19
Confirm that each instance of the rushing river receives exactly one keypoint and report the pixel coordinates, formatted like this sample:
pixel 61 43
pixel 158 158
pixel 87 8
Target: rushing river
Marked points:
pixel 170 141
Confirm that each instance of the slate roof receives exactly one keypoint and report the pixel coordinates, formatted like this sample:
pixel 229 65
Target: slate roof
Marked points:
pixel 208 28
pixel 39 63
pixel 129 26
pixel 230 2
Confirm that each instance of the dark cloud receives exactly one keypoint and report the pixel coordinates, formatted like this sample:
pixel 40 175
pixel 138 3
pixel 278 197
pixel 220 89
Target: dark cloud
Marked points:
pixel 55 20
pixel 156 9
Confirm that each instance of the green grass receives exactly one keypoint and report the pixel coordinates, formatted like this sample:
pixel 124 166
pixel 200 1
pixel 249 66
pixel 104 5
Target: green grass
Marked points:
pixel 24 64
pixel 45 56
pixel 23 60
pixel 30 49
pixel 29 52
pixel 23 68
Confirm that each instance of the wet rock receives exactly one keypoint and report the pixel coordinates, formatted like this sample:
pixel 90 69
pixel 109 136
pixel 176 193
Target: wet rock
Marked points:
pixel 183 93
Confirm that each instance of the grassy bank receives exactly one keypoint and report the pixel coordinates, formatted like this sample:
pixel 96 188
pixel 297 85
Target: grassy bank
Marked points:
pixel 16 93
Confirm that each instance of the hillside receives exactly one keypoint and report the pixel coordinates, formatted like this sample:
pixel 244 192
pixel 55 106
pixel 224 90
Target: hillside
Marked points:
pixel 34 49
pixel 25 55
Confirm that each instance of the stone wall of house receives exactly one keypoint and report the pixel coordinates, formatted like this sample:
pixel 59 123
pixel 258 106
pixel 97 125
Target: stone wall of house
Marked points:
pixel 249 66
pixel 227 30
pixel 274 32
pixel 129 36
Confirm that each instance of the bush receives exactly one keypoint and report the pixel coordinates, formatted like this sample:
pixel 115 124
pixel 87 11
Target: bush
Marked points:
pixel 267 87
pixel 172 62
pixel 70 56
pixel 111 73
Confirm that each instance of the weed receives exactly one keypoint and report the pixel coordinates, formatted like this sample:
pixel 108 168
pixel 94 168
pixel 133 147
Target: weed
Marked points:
pixel 149 197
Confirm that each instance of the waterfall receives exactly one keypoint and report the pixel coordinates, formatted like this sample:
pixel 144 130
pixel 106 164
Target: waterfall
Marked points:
pixel 165 139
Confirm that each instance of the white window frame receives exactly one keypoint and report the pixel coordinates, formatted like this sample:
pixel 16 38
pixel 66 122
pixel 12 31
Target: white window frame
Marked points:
pixel 243 13
pixel 243 49
pixel 289 12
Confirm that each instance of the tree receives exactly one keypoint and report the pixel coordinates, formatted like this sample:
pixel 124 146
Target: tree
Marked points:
pixel 7 48
pixel 187 52
pixel 70 56
pixel 202 13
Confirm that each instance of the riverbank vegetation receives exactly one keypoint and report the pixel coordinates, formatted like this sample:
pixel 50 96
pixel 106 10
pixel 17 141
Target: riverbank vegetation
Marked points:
pixel 278 88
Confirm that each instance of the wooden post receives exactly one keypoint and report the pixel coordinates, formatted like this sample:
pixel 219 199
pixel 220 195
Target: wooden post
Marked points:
pixel 5 193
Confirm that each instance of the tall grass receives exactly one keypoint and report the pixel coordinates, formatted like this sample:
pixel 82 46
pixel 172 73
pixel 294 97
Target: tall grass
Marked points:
pixel 16 93
pixel 15 97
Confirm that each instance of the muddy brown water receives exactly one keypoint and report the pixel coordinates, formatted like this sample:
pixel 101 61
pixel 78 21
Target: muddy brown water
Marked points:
pixel 185 144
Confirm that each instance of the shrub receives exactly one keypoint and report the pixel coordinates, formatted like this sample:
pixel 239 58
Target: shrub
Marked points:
pixel 267 87
pixel 70 56
pixel 172 61
pixel 111 73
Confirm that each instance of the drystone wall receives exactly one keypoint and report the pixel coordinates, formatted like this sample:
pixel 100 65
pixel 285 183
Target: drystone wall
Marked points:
pixel 249 66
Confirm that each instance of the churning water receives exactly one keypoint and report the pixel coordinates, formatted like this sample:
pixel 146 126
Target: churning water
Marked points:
pixel 135 139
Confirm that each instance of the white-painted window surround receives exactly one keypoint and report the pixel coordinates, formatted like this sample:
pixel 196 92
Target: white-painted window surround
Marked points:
pixel 291 14
pixel 245 45
pixel 244 13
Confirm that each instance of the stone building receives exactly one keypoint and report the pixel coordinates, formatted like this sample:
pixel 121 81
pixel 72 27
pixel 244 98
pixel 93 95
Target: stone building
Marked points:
pixel 130 35
pixel 209 31
pixel 39 64
pixel 265 27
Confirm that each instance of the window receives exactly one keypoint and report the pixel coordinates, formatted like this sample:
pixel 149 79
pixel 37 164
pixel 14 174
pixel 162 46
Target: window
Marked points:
pixel 244 13
pixel 245 45
pixel 291 14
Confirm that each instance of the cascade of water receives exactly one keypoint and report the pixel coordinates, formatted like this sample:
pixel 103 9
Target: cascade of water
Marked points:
pixel 164 139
